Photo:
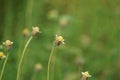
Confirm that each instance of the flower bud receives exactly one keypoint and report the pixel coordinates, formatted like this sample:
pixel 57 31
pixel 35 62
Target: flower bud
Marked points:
pixel 38 67
pixel 25 32
pixel 2 56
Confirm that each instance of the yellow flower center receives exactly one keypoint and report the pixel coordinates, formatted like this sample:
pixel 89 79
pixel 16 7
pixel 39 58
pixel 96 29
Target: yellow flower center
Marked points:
pixel 8 43
pixel 1 54
pixel 36 29
pixel 60 38
pixel 86 74
pixel 38 66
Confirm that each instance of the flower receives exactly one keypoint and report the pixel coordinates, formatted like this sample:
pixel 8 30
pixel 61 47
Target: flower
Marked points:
pixel 59 40
pixel 79 61
pixel 53 14
pixel 85 75
pixel 63 22
pixel 8 44
pixel 35 30
pixel 38 67
pixel 2 56
pixel 85 40
pixel 25 32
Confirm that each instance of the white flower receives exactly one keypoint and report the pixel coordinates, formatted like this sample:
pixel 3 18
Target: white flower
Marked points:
pixel 59 40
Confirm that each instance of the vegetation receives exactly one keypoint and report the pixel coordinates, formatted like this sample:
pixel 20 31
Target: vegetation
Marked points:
pixel 90 28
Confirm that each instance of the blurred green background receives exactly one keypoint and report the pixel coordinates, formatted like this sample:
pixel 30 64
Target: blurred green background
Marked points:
pixel 91 29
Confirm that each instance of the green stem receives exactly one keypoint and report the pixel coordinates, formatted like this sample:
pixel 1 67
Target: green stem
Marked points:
pixel 79 72
pixel 50 57
pixel 4 66
pixel 29 10
pixel 21 59
pixel 33 76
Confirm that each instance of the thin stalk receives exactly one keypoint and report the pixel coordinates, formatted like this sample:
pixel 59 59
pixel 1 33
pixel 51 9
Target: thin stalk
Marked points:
pixel 29 9
pixel 4 66
pixel 84 78
pixel 22 56
pixel 50 57
pixel 79 72
pixel 33 76
pixel 52 67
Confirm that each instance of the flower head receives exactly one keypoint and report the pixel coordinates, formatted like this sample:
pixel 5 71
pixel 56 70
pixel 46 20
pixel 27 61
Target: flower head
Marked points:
pixel 59 40
pixel 35 30
pixel 85 75
pixel 53 14
pixel 63 22
pixel 25 32
pixel 38 67
pixel 85 40
pixel 2 56
pixel 8 44
pixel 79 61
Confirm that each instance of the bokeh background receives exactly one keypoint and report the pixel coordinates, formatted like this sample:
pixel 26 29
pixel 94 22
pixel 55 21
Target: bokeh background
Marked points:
pixel 91 29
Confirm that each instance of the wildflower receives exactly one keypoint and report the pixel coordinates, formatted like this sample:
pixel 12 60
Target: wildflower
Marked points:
pixel 2 56
pixel 25 32
pixel 85 40
pixel 63 22
pixel 85 75
pixel 59 40
pixel 53 14
pixel 38 67
pixel 79 61
pixel 8 44
pixel 35 30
